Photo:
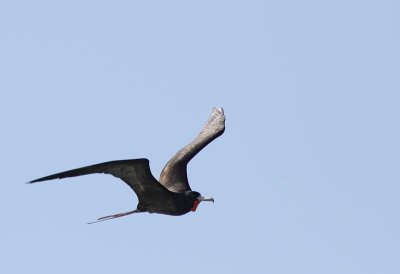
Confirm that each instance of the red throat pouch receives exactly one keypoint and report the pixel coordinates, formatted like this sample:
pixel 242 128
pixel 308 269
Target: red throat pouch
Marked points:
pixel 195 205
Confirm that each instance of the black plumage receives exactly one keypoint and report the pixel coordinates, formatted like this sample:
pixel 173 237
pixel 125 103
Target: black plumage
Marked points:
pixel 172 195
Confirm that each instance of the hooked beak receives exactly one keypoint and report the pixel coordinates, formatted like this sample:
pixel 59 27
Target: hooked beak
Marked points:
pixel 203 199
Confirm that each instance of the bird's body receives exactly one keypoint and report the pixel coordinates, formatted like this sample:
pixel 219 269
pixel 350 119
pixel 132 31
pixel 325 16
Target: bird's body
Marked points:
pixel 172 195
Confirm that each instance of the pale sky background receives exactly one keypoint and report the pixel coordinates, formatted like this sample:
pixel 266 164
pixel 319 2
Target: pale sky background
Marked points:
pixel 305 179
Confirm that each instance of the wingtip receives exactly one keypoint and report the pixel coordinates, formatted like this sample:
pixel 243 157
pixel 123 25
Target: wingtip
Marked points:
pixel 220 109
pixel 34 181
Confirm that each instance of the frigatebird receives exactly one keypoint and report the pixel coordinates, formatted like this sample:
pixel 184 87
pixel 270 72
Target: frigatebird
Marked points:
pixel 172 195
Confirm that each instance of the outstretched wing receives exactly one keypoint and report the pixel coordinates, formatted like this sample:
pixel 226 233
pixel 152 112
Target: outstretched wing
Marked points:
pixel 174 174
pixel 136 173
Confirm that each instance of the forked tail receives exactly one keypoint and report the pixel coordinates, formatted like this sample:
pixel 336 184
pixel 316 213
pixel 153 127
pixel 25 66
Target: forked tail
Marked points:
pixel 110 217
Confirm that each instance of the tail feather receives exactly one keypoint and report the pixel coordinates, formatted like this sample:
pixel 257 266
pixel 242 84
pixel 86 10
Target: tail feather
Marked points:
pixel 110 217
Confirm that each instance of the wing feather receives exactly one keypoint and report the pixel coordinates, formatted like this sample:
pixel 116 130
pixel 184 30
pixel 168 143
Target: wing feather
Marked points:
pixel 136 173
pixel 174 174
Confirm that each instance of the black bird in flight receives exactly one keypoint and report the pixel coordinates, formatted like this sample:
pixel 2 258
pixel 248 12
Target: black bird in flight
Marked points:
pixel 172 195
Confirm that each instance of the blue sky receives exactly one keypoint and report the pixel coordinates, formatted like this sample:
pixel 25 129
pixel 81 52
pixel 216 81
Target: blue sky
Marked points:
pixel 305 178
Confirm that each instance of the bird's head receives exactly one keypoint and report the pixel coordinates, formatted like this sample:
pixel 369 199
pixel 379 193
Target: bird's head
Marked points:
pixel 195 198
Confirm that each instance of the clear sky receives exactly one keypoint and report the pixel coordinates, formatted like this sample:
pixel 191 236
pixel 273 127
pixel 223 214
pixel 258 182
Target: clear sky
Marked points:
pixel 305 179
